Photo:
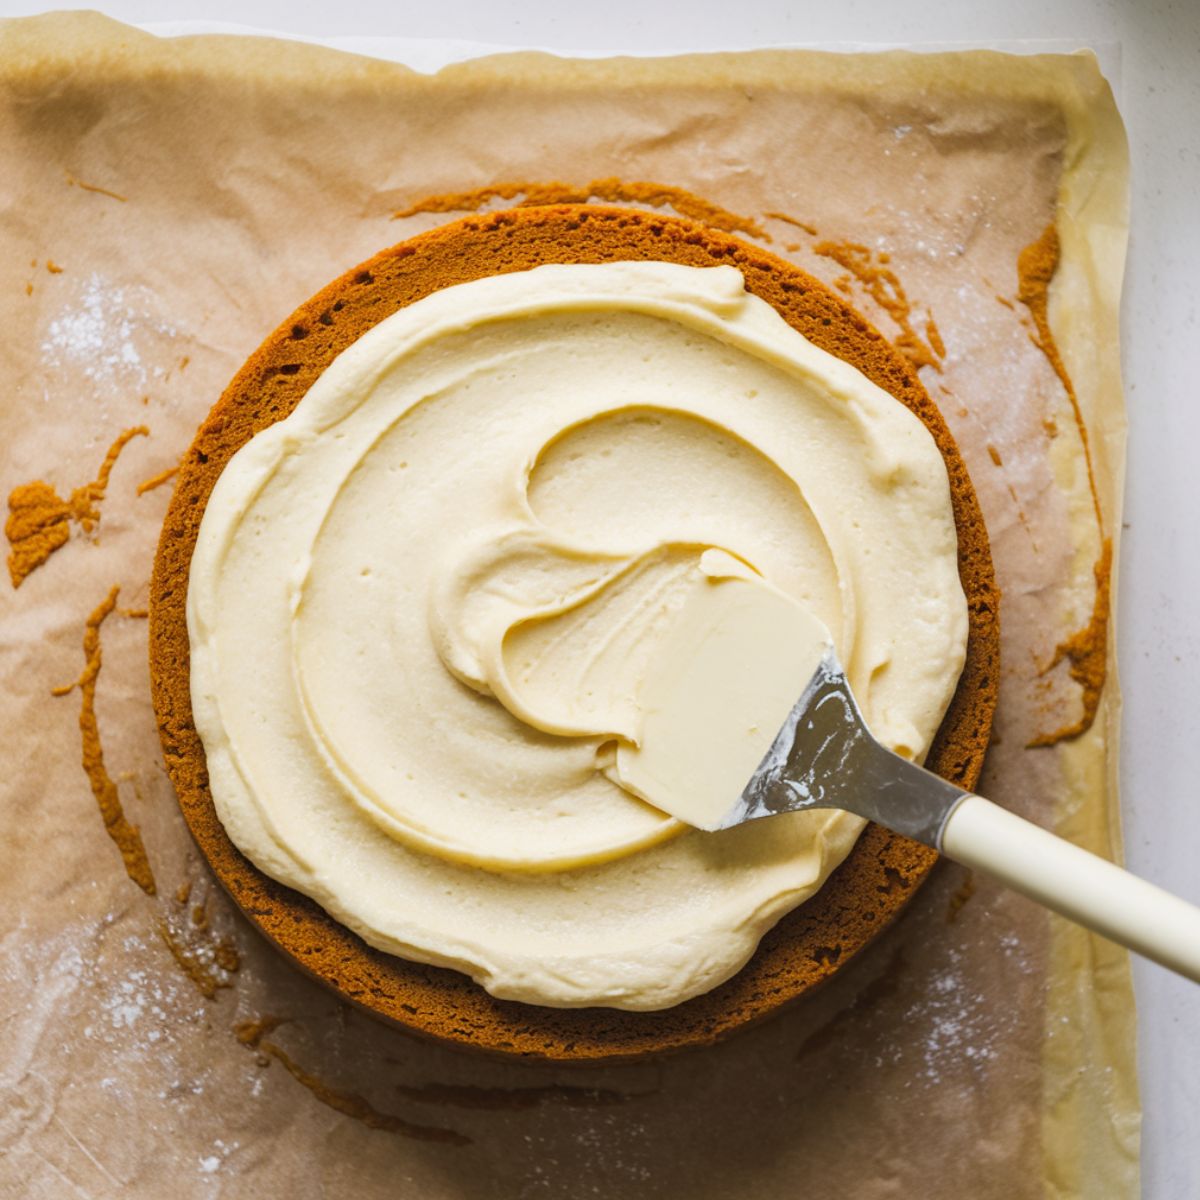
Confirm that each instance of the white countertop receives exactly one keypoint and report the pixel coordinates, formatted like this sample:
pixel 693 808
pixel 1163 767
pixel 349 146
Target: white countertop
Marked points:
pixel 1155 47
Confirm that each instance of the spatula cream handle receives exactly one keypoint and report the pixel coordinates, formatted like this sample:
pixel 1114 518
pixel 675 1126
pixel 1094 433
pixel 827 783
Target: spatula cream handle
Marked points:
pixel 1088 889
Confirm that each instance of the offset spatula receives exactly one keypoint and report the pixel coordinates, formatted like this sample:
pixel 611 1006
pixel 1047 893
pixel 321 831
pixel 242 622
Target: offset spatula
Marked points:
pixel 734 662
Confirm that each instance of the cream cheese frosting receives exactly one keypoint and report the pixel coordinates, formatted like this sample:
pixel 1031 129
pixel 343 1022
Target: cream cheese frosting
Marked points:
pixel 422 608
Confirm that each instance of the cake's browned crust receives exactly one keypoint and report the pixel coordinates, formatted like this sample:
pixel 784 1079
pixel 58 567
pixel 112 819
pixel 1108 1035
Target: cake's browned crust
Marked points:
pixel 806 947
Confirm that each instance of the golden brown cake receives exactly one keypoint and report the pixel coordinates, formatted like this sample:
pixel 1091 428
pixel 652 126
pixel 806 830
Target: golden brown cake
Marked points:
pixel 882 871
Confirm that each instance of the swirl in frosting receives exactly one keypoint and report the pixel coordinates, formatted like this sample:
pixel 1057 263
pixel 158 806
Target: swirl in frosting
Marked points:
pixel 420 607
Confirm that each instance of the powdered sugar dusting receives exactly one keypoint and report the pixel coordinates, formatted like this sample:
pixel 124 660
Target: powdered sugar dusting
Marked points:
pixel 100 334
pixel 139 1022
pixel 606 1154
pixel 961 1025
pixel 211 1163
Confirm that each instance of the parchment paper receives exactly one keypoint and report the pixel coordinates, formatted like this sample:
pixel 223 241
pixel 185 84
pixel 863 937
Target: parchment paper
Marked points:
pixel 166 204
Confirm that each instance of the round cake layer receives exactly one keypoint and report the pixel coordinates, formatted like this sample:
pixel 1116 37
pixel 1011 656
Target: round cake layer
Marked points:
pixel 443 1003
pixel 423 610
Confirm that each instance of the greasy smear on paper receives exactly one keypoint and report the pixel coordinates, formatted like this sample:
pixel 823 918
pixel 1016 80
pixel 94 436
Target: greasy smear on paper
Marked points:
pixel 513 1099
pixel 252 1034
pixel 124 835
pixel 39 520
pixel 847 1023
pixel 1086 650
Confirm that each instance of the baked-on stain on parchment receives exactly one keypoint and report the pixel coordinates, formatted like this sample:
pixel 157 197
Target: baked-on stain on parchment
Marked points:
pixel 997 459
pixel 612 190
pixel 963 893
pixel 99 191
pixel 252 1034
pixel 148 485
pixel 869 268
pixel 794 222
pixel 208 965
pixel 39 520
pixel 124 835
pixel 1086 654
pixel 208 960
pixel 1086 650
pixel 882 284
